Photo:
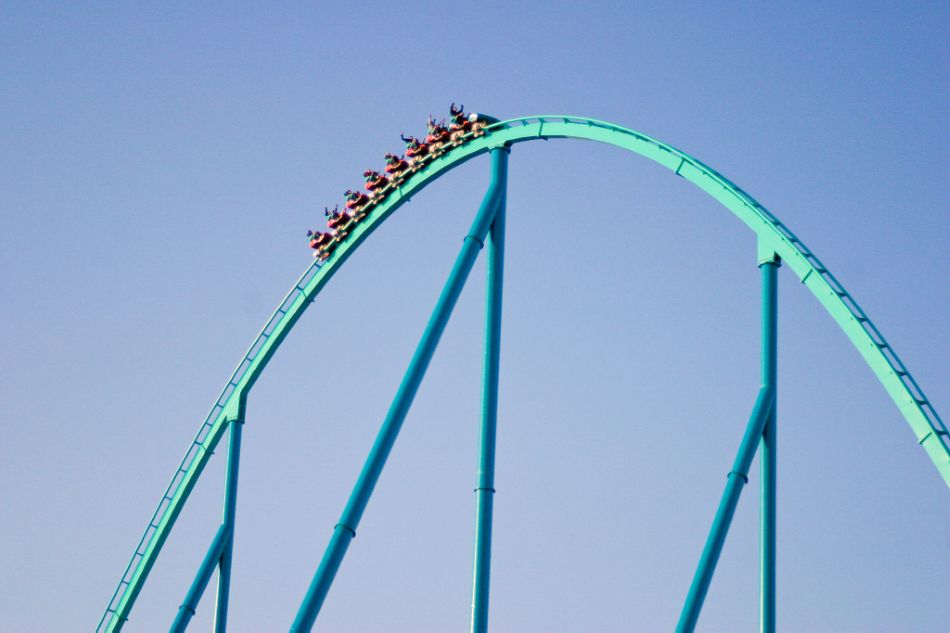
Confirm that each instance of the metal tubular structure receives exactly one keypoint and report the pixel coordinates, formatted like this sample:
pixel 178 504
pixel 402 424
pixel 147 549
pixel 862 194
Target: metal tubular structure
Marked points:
pixel 769 263
pixel 762 412
pixel 345 530
pixel 219 553
pixel 485 485
pixel 230 511
pixel 929 430
pixel 211 560
pixel 735 480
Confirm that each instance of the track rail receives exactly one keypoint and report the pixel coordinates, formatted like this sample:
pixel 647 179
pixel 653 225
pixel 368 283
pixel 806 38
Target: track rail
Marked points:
pixel 928 428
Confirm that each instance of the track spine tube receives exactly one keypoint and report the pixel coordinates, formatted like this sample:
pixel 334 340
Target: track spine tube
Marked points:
pixel 485 485
pixel 345 529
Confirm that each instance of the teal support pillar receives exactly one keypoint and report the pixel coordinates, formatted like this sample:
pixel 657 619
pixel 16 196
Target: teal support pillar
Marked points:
pixel 345 530
pixel 762 412
pixel 769 264
pixel 485 485
pixel 230 510
pixel 219 553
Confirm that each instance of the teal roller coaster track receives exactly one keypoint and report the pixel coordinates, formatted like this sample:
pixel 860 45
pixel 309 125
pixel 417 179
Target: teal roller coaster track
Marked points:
pixel 777 245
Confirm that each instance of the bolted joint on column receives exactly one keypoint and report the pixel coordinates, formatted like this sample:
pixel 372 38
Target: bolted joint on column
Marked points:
pixel 767 255
pixel 236 407
pixel 481 243
pixel 745 477
pixel 347 528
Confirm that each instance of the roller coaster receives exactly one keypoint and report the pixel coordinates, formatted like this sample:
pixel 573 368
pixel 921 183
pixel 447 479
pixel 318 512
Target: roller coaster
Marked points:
pixel 444 149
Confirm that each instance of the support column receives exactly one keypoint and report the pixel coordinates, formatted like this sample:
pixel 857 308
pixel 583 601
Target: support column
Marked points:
pixel 762 412
pixel 230 510
pixel 219 553
pixel 769 263
pixel 485 487
pixel 345 530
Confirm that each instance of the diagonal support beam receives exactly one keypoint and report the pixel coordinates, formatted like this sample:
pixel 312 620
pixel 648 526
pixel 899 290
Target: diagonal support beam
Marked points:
pixel 736 479
pixel 485 486
pixel 345 530
pixel 762 413
pixel 190 605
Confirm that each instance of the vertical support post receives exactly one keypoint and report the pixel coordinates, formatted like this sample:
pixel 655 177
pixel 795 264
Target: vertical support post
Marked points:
pixel 230 510
pixel 762 412
pixel 219 553
pixel 485 486
pixel 769 263
pixel 345 530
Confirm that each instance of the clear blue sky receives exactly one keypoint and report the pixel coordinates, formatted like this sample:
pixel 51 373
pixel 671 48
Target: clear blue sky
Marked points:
pixel 161 164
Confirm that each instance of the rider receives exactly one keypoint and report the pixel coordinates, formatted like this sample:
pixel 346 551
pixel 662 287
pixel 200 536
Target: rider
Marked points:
pixel 415 149
pixel 437 132
pixel 374 180
pixel 355 199
pixel 395 164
